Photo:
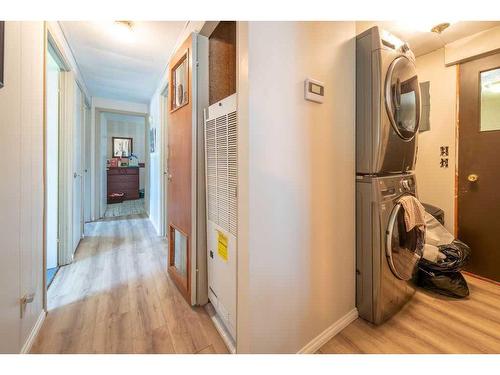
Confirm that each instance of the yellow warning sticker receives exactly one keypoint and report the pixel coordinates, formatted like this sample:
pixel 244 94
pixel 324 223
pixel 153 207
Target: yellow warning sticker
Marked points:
pixel 222 246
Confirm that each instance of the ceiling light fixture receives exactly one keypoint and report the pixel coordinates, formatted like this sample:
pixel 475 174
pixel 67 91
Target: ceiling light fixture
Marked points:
pixel 128 24
pixel 123 30
pixel 438 29
pixel 425 25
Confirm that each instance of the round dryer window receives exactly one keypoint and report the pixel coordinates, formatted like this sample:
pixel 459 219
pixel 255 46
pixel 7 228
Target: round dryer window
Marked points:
pixel 402 97
pixel 403 249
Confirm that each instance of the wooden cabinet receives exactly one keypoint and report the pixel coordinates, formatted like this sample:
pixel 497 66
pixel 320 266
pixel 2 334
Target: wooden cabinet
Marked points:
pixel 124 180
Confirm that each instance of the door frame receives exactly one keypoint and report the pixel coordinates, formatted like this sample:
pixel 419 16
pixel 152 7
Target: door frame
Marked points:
pixel 51 43
pixel 87 167
pixel 458 66
pixel 98 169
pixel 163 159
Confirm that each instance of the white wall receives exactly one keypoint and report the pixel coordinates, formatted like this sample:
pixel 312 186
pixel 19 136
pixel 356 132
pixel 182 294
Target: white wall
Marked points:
pixel 128 128
pixel 119 105
pixel 102 167
pixel 156 172
pixel 58 36
pixel 52 161
pixel 21 193
pixel 298 277
pixel 436 185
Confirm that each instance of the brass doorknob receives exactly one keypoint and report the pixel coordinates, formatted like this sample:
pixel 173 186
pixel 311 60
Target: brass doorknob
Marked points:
pixel 472 177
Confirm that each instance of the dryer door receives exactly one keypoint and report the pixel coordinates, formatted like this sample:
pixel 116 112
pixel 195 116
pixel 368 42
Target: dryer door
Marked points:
pixel 403 249
pixel 402 97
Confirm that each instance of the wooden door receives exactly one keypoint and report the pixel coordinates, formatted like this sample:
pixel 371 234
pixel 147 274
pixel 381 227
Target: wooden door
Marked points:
pixel 179 205
pixel 479 164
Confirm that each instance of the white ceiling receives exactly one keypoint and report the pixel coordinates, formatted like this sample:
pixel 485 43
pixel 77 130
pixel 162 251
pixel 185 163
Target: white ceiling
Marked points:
pixel 121 68
pixel 422 42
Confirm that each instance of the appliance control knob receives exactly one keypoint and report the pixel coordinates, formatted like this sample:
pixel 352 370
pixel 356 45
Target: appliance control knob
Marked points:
pixel 405 47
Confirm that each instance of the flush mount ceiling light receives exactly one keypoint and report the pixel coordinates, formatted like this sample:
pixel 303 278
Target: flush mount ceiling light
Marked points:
pixel 425 26
pixel 122 31
pixel 128 24
pixel 438 29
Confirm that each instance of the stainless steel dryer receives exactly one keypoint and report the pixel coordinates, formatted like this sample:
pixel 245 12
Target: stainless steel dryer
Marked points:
pixel 387 104
pixel 386 255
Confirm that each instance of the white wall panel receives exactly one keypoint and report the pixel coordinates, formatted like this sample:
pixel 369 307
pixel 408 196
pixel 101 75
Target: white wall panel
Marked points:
pixel 296 276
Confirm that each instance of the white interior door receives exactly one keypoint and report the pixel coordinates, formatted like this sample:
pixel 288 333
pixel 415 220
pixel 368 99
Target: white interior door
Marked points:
pixel 87 167
pixel 77 171
pixel 52 160
pixel 10 138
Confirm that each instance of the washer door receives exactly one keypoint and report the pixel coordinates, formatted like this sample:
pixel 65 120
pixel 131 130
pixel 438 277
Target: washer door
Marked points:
pixel 403 249
pixel 402 98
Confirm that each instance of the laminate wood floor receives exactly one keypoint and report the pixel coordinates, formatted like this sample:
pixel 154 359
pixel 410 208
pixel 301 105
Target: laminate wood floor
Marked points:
pixel 133 207
pixel 116 297
pixel 430 324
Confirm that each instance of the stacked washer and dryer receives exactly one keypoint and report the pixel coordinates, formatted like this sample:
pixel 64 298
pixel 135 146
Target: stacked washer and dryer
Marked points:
pixel 387 120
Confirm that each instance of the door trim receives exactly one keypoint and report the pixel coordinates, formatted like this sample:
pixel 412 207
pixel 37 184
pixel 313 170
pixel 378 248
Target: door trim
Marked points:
pixel 97 167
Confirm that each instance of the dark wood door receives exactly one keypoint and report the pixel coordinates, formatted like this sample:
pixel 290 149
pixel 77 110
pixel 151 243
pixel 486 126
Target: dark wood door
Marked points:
pixel 179 168
pixel 479 164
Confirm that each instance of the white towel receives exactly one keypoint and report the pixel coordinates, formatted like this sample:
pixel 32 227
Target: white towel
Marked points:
pixel 414 213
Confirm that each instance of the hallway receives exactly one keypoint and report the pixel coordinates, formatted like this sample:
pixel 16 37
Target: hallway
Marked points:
pixel 116 297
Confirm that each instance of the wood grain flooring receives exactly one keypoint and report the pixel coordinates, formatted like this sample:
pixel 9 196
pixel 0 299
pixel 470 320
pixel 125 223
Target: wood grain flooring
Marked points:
pixel 133 207
pixel 430 324
pixel 116 297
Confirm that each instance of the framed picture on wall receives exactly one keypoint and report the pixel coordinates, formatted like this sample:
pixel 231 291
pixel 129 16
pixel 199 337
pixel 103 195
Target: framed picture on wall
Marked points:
pixel 2 45
pixel 122 147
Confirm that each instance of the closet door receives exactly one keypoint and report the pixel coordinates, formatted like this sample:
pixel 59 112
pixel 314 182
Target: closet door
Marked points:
pixel 10 192
pixel 32 169
pixel 180 133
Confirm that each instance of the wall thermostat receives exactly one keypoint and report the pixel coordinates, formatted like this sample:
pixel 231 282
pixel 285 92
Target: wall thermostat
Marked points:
pixel 314 90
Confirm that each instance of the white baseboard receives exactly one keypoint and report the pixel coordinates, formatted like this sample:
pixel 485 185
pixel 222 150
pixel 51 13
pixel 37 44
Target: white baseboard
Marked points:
pixel 219 326
pixel 34 332
pixel 315 344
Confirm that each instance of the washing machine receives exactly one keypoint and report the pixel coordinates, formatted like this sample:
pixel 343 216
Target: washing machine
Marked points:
pixel 387 104
pixel 386 254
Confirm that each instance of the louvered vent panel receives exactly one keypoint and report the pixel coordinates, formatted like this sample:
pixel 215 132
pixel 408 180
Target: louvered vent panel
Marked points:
pixel 221 138
pixel 222 172
pixel 211 170
pixel 232 153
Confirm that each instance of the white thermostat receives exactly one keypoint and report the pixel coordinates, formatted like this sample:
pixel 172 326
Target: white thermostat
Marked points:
pixel 314 90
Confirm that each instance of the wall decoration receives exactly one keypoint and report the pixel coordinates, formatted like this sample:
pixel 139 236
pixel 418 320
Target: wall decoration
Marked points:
pixel 122 147
pixel 152 140
pixel 2 45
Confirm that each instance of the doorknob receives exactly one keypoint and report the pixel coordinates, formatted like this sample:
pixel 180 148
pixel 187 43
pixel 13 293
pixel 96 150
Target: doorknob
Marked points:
pixel 472 177
pixel 28 298
pixel 169 177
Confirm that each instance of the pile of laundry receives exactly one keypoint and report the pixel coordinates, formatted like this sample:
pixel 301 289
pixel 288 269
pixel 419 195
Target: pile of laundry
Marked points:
pixel 443 259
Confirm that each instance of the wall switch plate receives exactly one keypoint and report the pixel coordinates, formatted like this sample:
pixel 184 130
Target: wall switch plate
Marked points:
pixel 314 91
